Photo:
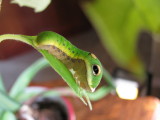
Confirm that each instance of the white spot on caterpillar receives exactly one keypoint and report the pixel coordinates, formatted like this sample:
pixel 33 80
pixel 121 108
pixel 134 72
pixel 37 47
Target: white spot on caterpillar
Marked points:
pixel 79 82
pixel 93 56
pixel 76 78
pixel 72 71
pixel 92 89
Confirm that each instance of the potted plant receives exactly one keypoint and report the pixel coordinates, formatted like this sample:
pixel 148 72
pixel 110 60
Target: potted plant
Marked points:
pixel 24 102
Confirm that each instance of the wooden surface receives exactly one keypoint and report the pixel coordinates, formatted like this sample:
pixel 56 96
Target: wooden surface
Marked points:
pixel 111 107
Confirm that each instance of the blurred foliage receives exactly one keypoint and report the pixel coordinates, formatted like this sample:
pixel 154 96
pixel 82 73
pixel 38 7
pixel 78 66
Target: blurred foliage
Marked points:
pixel 119 23
pixel 149 11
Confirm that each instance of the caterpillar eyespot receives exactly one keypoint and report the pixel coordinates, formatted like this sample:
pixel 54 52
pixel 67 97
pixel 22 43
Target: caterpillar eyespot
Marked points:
pixel 96 69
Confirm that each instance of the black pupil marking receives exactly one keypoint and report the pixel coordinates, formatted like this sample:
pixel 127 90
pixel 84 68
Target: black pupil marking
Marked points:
pixel 95 69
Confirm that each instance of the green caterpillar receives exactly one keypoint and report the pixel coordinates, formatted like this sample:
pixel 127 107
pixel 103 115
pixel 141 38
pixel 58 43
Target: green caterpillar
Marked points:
pixel 80 69
pixel 84 66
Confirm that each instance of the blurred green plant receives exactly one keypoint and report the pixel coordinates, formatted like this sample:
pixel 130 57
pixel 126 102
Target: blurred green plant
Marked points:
pixel 11 102
pixel 119 23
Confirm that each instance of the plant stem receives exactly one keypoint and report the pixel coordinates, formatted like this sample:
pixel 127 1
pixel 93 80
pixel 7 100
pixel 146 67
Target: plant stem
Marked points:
pixel 2 84
pixel 1 113
pixel 100 93
pixel 8 116
pixel 107 77
pixel 4 90
pixel 7 103
pixel 22 38
pixel 25 78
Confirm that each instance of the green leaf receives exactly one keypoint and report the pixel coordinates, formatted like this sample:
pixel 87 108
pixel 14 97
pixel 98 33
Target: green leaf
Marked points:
pixel 23 38
pixel 7 103
pixel 27 95
pixel 1 113
pixel 118 23
pixel 149 10
pixel 4 90
pixel 2 87
pixel 63 91
pixel 60 91
pixel 25 78
pixel 37 5
pixel 107 77
pixel 9 116
pixel 100 93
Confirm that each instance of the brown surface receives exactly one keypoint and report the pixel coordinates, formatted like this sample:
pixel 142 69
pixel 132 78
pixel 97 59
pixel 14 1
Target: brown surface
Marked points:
pixel 111 107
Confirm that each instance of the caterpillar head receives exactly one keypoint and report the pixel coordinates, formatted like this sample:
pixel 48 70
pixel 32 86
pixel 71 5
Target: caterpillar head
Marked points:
pixel 94 71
